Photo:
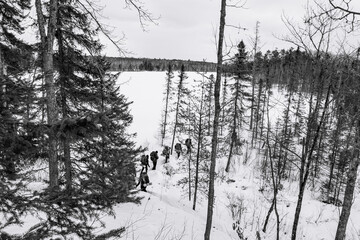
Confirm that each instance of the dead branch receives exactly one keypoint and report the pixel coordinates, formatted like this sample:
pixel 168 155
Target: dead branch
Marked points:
pixel 143 14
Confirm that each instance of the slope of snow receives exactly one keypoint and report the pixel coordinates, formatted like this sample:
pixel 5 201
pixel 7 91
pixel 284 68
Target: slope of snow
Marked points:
pixel 166 212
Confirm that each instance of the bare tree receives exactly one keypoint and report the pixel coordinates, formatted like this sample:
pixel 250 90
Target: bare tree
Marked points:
pixel 255 49
pixel 314 38
pixel 214 140
pixel 275 178
pixel 343 11
pixel 350 187
pixel 199 138
pixel 169 77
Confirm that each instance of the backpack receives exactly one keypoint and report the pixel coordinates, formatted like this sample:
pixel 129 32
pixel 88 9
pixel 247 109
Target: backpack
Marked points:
pixel 165 151
pixel 143 160
pixel 178 146
pixel 154 155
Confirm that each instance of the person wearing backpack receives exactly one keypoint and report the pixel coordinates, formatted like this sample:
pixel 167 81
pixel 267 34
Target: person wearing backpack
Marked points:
pixel 144 162
pixel 154 157
pixel 166 153
pixel 143 180
pixel 188 145
pixel 178 149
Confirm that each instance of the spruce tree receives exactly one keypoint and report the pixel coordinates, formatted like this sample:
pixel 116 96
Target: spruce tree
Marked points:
pixel 16 142
pixel 168 97
pixel 181 91
pixel 237 103
pixel 97 155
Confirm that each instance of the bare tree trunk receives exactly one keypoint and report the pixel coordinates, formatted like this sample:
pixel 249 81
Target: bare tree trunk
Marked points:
pixel 199 140
pixel 307 161
pixel 233 139
pixel 275 181
pixel 348 198
pixel 253 75
pixel 47 43
pixel 334 152
pixel 189 161
pixel 210 106
pixel 175 126
pixel 197 164
pixel 265 97
pixel 214 140
pixel 349 191
pixel 258 107
pixel 268 215
pixel 168 88
pixel 64 74
pixel 2 68
pixel 224 95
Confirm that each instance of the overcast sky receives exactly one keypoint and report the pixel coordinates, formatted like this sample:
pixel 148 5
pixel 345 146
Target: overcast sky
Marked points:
pixel 186 28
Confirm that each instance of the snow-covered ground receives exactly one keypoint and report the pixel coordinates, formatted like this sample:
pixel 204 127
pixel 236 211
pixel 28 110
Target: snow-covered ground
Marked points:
pixel 166 212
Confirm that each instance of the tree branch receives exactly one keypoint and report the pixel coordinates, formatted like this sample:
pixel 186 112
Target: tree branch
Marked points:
pixel 144 15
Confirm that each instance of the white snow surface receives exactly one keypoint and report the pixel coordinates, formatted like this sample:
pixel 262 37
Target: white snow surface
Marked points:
pixel 165 212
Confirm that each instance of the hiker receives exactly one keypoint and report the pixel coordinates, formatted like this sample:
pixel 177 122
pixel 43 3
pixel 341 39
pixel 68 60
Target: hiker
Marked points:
pixel 154 157
pixel 188 145
pixel 144 162
pixel 178 149
pixel 143 180
pixel 166 153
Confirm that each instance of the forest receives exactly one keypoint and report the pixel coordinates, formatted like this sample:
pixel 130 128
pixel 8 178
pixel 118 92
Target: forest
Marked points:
pixel 148 64
pixel 67 156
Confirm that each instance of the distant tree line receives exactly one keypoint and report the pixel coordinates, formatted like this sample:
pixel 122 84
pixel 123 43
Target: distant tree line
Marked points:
pixel 153 64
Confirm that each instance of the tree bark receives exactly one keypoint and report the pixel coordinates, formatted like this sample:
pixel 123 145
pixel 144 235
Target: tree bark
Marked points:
pixel 253 76
pixel 64 75
pixel 47 43
pixel 210 105
pixel 349 192
pixel 168 84
pixel 224 95
pixel 189 161
pixel 258 107
pixel 197 165
pixel 199 140
pixel 214 140
pixel 348 198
